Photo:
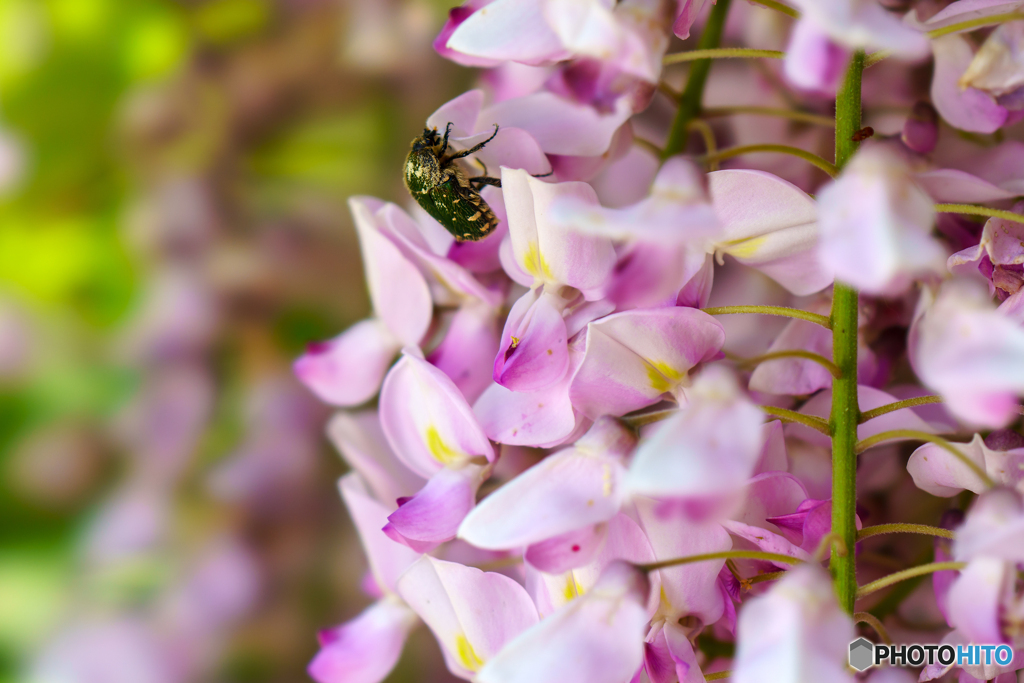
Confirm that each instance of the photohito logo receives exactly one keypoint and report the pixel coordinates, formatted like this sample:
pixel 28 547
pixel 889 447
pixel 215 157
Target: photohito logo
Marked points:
pixel 865 654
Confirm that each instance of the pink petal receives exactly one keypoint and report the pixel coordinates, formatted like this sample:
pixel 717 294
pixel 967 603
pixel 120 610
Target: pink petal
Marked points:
pixel 994 528
pixel 427 421
pixel 669 657
pixel 508 30
pixel 795 376
pixel 624 540
pixel 697 291
pixel 813 61
pixel 560 126
pixel 865 25
pixel 570 550
pixel 709 449
pixel 685 16
pixel 921 129
pixel 433 515
pixel 462 112
pixel 542 418
pixel 967 109
pixel 773 453
pixel 571 489
pixel 769 224
pixel 533 354
pixel 456 16
pixel 512 147
pixel 398 291
pixel 687 589
pixel 360 440
pixel 677 209
pixel 940 473
pixel 876 225
pixel 549 252
pixel 473 614
pixel 794 632
pixel 366 649
pixel 348 370
pixel 626 42
pixel 596 638
pixel 388 560
pixel 634 357
pixel 450 283
pixel 951 185
pixel 651 275
pixel 467 351
pixel 769 495
pixel 627 179
pixel 1000 165
pixel 767 541
pixel 977 371
pixel 975 599
pixel 966 10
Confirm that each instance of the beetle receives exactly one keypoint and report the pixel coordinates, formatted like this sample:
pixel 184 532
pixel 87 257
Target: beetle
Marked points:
pixel 443 189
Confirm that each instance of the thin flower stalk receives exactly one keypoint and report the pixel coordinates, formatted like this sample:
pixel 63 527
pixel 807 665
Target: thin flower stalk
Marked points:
pixel 920 570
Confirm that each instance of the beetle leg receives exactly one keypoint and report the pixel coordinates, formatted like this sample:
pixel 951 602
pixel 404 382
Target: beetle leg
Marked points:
pixel 444 143
pixel 484 180
pixel 472 150
pixel 544 175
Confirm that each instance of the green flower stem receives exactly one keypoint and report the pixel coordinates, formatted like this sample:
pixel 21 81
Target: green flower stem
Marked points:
pixel 878 529
pixel 876 57
pixel 830 541
pixel 867 443
pixel 778 7
pixel 648 145
pixel 730 152
pixel 693 94
pixel 717 676
pixel 845 410
pixel 873 621
pixel 811 421
pixel 793 353
pixel 801 116
pixel 720 53
pixel 920 570
pixel 972 24
pixel 972 210
pixel 725 554
pixel 761 578
pixel 637 421
pixel 704 128
pixel 771 310
pixel 898 405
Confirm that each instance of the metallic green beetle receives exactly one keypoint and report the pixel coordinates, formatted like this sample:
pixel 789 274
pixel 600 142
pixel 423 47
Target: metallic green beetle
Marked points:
pixel 442 188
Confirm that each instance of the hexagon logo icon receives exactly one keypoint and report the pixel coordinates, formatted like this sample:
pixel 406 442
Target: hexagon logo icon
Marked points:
pixel 862 654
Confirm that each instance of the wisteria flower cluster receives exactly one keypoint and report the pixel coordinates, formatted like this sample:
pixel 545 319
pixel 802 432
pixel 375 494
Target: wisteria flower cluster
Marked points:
pixel 578 469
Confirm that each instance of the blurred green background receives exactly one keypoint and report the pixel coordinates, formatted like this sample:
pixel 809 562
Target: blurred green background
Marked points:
pixel 173 229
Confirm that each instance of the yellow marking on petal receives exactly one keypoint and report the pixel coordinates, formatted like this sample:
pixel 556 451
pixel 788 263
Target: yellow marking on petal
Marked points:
pixel 665 606
pixel 439 449
pixel 662 376
pixel 466 654
pixel 606 481
pixel 573 589
pixel 535 265
pixel 747 248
